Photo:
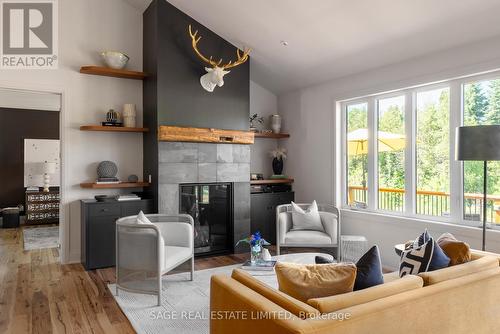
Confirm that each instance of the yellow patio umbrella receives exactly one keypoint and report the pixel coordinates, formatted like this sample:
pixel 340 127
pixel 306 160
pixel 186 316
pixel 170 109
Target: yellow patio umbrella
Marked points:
pixel 358 144
pixel 387 142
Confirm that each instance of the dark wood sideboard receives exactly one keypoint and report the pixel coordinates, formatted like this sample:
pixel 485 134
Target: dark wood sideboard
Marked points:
pixel 98 229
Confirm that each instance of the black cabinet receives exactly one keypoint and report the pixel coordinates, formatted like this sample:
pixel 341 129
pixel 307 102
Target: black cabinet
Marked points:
pixel 263 212
pixel 99 227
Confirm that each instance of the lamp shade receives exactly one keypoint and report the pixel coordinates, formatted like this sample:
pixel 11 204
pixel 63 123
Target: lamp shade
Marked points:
pixel 478 143
pixel 49 167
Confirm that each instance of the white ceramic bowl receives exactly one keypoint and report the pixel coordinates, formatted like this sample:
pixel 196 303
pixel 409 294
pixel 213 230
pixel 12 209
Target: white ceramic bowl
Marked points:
pixel 114 59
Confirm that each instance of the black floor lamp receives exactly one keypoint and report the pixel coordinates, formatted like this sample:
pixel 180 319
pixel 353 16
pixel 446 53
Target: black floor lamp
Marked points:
pixel 479 143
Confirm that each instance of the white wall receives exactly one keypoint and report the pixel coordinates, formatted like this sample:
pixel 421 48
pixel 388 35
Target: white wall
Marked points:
pixel 85 28
pixel 264 103
pixel 310 118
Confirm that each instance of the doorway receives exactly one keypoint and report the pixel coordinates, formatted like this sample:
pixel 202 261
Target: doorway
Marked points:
pixel 30 147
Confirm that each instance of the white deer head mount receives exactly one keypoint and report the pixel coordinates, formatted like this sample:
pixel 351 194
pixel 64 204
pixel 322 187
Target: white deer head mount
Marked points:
pixel 215 74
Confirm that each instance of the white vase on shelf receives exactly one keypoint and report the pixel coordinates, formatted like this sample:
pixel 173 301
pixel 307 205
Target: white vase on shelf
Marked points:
pixel 129 115
pixel 276 123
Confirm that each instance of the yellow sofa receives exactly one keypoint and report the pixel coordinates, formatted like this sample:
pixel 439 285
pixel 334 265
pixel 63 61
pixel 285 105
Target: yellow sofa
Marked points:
pixel 460 299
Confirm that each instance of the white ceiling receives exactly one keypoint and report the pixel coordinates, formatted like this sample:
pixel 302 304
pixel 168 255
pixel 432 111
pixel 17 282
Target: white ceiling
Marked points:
pixel 333 38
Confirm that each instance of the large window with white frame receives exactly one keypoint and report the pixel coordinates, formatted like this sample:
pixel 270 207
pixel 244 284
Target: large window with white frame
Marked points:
pixel 398 151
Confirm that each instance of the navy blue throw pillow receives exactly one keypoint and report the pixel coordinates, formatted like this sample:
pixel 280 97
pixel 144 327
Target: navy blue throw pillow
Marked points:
pixel 439 259
pixel 369 270
pixel 322 260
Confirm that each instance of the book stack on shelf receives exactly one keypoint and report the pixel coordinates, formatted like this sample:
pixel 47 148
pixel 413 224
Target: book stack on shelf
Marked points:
pixel 128 197
pixel 107 180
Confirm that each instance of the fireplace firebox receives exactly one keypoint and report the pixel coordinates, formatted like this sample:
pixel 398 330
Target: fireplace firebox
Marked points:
pixel 211 206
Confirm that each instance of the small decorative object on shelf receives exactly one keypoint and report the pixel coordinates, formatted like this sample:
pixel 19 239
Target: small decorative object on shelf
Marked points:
pixel 133 178
pixel 276 123
pixel 129 115
pixel 256 242
pixel 112 119
pixel 256 176
pixel 114 59
pixel 278 154
pixel 255 118
pixel 106 173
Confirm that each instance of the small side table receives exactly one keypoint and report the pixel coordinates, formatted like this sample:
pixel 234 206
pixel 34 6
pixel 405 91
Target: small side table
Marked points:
pixel 399 248
pixel 353 247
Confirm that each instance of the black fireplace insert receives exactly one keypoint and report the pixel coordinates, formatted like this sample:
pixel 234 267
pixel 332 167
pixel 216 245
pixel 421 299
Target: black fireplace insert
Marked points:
pixel 211 206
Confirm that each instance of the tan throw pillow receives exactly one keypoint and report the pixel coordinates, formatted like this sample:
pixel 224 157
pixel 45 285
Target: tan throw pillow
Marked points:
pixel 304 282
pixel 457 251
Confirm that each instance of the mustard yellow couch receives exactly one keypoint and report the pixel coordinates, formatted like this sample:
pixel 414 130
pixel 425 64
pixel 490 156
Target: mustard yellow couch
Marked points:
pixel 460 299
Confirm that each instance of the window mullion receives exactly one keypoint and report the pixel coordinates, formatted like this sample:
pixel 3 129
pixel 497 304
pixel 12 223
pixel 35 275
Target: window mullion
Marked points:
pixel 410 164
pixel 372 155
pixel 456 178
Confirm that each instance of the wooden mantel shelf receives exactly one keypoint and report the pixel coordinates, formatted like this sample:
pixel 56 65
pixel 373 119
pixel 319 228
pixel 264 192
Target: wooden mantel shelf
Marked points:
pixel 114 185
pixel 111 72
pixel 271 181
pixel 271 135
pixel 204 135
pixel 111 128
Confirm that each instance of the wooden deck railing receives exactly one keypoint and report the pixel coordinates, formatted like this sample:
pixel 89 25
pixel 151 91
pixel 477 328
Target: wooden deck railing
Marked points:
pixel 433 203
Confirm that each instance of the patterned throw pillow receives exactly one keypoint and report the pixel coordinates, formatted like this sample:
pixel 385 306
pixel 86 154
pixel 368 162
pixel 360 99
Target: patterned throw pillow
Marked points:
pixel 439 259
pixel 417 259
pixel 422 239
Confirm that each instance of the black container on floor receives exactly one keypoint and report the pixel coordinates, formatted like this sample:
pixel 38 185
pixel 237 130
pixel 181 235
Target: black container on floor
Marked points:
pixel 10 218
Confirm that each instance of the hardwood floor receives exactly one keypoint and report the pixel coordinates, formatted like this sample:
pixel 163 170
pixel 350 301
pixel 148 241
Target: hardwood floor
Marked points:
pixel 39 295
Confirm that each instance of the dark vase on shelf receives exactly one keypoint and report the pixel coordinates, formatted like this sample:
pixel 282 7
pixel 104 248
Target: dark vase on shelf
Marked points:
pixel 277 166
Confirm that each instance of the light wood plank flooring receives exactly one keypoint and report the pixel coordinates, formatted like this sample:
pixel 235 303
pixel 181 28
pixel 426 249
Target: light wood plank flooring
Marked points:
pixel 39 295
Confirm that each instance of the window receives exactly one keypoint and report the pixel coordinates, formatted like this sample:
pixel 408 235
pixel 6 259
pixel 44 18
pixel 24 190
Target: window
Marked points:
pixel 357 153
pixel 433 152
pixel 391 155
pixel 481 106
pixel 401 146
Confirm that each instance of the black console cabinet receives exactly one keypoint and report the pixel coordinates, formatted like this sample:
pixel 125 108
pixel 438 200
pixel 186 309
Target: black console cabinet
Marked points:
pixel 263 212
pixel 98 229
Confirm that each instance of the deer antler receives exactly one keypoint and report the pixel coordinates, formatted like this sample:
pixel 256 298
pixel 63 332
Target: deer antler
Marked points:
pixel 241 58
pixel 194 40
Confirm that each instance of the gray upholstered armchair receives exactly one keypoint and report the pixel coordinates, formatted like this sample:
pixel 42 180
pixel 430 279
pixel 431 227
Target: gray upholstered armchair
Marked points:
pixel 145 252
pixel 287 237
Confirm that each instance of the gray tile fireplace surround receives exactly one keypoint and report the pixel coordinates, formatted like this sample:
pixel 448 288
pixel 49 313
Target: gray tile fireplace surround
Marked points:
pixel 206 163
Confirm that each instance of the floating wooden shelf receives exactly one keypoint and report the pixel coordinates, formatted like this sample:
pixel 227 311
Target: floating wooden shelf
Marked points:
pixel 114 185
pixel 111 128
pixel 271 181
pixel 204 135
pixel 111 72
pixel 271 135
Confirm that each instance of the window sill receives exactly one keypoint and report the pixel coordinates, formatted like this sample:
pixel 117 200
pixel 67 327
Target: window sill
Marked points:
pixel 396 219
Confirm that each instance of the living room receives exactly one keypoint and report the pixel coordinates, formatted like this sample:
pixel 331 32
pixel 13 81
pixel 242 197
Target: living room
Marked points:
pixel 153 153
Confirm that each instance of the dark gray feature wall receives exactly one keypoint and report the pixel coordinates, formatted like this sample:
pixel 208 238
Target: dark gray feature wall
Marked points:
pixel 172 63
pixel 172 94
pixel 15 126
pixel 206 163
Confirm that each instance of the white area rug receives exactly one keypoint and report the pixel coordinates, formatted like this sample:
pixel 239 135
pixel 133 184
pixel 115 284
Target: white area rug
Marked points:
pixel 185 308
pixel 41 237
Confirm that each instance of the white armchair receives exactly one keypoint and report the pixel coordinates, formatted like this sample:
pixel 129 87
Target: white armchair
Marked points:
pixel 330 238
pixel 145 252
